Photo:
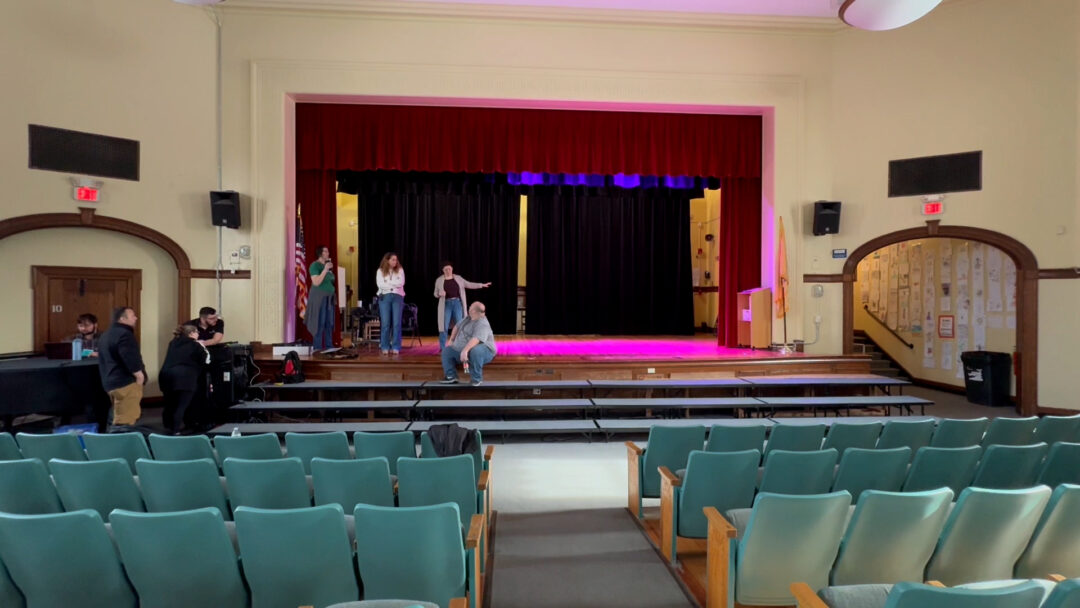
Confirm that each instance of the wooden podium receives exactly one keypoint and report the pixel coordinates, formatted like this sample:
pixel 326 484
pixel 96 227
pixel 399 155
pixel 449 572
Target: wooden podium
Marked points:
pixel 755 317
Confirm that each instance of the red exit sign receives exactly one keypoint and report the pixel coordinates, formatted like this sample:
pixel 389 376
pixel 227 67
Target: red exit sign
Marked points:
pixel 933 208
pixel 84 194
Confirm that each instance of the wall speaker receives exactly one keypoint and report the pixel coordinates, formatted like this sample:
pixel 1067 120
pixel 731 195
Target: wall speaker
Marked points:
pixel 225 208
pixel 826 217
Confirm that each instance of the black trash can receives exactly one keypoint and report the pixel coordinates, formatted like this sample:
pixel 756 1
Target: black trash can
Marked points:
pixel 986 377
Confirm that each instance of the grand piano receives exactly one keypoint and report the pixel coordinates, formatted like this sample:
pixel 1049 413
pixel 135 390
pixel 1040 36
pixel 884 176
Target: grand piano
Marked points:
pixel 59 387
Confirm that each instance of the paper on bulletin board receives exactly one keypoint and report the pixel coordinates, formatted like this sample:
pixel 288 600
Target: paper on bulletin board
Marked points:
pixel 961 346
pixel 904 265
pixel 916 257
pixel 963 296
pixel 883 285
pixel 947 355
pixel 1010 285
pixel 994 301
pixel 1010 322
pixel 927 314
pixel 928 350
pixel 995 321
pixel 978 295
pixel 905 308
pixel 892 315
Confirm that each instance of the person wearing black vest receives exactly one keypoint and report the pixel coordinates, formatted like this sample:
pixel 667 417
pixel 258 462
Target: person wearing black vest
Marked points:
pixel 183 380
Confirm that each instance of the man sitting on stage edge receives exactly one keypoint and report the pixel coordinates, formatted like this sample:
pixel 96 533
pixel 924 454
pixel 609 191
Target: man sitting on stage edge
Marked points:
pixel 121 366
pixel 472 343
pixel 211 327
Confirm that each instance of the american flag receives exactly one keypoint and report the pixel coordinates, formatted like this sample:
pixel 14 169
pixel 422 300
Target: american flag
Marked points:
pixel 301 268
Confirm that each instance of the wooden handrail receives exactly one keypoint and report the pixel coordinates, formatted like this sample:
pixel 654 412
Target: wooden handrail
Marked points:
pixel 890 330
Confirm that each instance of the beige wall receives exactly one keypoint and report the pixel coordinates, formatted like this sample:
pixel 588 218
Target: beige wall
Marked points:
pixel 993 75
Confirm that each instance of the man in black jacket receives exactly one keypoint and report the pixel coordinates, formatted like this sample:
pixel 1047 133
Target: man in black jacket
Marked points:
pixel 122 372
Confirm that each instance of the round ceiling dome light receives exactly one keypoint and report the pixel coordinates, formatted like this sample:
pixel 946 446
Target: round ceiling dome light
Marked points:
pixel 878 15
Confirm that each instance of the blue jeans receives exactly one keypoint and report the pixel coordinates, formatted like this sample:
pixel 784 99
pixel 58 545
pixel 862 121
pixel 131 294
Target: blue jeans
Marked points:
pixel 390 305
pixel 479 356
pixel 452 313
pixel 324 335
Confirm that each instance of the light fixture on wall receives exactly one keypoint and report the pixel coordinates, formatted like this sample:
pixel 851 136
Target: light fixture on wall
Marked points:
pixel 878 15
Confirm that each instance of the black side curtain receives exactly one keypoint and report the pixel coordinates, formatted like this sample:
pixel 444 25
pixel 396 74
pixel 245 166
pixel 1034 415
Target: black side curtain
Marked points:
pixel 609 261
pixel 426 218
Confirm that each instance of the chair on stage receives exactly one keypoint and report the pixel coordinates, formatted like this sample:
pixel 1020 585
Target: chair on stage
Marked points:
pixel 1054 429
pixel 101 485
pixel 794 438
pixel 391 446
pixel 296 557
pixel 267 484
pixel 1062 465
pixel 861 470
pixel 128 446
pixel 64 559
pixel 1005 467
pixel 410 323
pixel 61 446
pixel 667 447
pixel 191 447
pixel 958 432
pixel 727 438
pixel 844 435
pixel 264 446
pixel 898 434
pixel 798 472
pixel 352 482
pixel 1011 431
pixel 25 488
pixel 1055 545
pixel 9 450
pixel 333 445
pixel 180 559
pixel 952 468
pixel 181 485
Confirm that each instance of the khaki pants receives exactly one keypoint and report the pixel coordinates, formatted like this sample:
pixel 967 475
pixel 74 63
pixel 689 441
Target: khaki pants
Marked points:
pixel 125 403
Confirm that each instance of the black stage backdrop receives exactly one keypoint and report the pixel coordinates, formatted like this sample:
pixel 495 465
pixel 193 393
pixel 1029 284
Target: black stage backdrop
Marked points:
pixel 429 217
pixel 609 261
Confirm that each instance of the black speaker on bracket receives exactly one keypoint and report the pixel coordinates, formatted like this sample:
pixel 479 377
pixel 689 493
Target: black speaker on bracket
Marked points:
pixel 826 217
pixel 225 208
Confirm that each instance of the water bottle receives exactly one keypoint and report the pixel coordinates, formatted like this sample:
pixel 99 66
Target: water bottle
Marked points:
pixel 466 366
pixel 76 349
pixel 235 431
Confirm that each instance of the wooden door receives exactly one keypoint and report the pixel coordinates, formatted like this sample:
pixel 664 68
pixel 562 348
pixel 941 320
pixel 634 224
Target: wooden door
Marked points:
pixel 62 293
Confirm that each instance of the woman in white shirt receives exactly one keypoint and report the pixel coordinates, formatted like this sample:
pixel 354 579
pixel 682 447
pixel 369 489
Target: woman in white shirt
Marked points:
pixel 390 278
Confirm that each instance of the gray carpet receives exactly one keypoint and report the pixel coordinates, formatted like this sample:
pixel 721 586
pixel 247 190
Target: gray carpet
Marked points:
pixel 594 558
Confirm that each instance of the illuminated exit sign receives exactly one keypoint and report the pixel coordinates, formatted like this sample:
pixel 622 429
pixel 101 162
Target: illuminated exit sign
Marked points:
pixel 87 195
pixel 933 208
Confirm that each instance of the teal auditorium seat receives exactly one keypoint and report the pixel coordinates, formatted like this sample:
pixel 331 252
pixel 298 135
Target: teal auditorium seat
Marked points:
pixel 1052 429
pixel 305 446
pixel 1025 594
pixel 385 604
pixel 726 438
pixel 9 450
pixel 101 485
pixel 392 446
pixel 985 534
pixel 181 485
pixel 952 468
pixel 180 559
pixel 1005 467
pixel 248 447
pixel 267 484
pixel 10 596
pixel 414 552
pixel 844 435
pixel 64 560
pixel 788 538
pixel 1055 545
pixel 432 481
pixel 723 480
pixel 25 488
pixel 62 446
pixel 808 472
pixel 794 438
pixel 1065 595
pixel 427 450
pixel 891 537
pixel 1062 465
pixel 869 469
pixel 296 557
pixel 1010 431
pixel 958 432
pixel 190 447
pixel 127 446
pixel 899 433
pixel 668 447
pixel 352 482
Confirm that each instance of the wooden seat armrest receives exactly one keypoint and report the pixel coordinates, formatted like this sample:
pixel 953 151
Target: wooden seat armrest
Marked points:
pixel 1057 578
pixel 805 596
pixel 667 477
pixel 488 452
pixel 935 584
pixel 476 528
pixel 632 448
pixel 459 602
pixel 713 517
pixel 485 476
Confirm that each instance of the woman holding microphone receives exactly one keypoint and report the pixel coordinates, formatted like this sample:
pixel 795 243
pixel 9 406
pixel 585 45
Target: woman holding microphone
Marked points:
pixel 390 278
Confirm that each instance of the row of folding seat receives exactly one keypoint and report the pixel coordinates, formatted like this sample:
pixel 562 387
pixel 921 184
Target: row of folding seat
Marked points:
pixel 890 537
pixel 1012 593
pixel 291 557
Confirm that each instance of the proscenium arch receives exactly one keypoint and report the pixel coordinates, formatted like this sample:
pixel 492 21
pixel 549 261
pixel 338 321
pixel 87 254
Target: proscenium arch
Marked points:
pixel 1027 296
pixel 87 219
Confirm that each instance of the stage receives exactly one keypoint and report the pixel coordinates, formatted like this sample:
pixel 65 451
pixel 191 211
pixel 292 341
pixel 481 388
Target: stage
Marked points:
pixel 586 357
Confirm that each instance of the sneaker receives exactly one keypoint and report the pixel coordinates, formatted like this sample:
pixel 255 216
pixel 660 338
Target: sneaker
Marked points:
pixel 448 380
pixel 476 382
pixel 384 352
pixel 395 353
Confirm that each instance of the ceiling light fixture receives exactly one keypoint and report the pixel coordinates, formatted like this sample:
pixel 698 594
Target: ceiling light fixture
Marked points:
pixel 878 15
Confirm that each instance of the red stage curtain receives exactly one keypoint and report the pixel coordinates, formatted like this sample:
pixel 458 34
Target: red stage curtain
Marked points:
pixel 316 195
pixel 502 140
pixel 740 251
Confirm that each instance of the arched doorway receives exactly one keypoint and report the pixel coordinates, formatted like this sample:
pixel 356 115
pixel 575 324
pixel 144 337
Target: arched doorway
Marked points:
pixel 1027 296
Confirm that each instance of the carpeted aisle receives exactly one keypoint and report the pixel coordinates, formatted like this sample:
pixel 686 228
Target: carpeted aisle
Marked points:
pixel 563 537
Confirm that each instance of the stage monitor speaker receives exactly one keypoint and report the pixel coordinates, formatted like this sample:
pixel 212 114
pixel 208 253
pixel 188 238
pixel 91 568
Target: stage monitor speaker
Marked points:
pixel 225 208
pixel 826 217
